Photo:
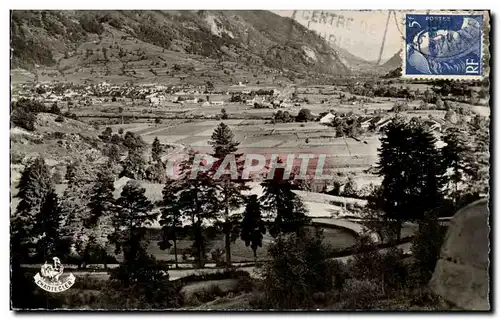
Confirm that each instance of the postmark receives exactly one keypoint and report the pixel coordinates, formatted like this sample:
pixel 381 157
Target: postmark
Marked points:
pixel 349 30
pixel 444 45
pixel 52 279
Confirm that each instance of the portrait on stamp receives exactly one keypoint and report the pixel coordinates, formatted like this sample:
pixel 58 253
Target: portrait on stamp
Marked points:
pixel 443 45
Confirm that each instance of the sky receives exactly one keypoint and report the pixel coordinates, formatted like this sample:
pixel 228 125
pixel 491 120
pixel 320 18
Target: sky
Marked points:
pixel 359 32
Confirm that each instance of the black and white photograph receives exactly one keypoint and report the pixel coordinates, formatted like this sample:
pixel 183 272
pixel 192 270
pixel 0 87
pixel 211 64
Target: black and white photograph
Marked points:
pixel 250 160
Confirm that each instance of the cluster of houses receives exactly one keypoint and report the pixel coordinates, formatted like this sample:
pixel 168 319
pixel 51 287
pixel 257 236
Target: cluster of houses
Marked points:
pixel 263 102
pixel 154 94
pixel 377 123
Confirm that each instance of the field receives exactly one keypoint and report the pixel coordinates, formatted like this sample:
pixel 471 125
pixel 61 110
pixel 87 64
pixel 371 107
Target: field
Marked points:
pixel 337 238
pixel 257 136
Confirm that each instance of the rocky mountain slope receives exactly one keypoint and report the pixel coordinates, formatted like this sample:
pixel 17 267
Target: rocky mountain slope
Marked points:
pixel 74 39
pixel 394 62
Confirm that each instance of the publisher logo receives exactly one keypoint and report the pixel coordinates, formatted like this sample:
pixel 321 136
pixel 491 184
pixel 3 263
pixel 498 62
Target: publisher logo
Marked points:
pixel 51 278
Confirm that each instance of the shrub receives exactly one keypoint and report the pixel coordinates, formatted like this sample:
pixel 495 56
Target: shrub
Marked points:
pixel 23 118
pixel 141 284
pixel 158 294
pixel 88 282
pixel 426 246
pixel 223 115
pixel 90 24
pixel 209 294
pixel 387 268
pixel 423 297
pixel 59 118
pixel 350 188
pixel 218 256
pixel 57 177
pixel 245 283
pixel 219 275
pixel 360 294
pixel 298 269
pixel 16 157
pixel 71 115
pixel 55 109
pixel 400 106
pixel 361 264
pixel 80 299
pixel 304 115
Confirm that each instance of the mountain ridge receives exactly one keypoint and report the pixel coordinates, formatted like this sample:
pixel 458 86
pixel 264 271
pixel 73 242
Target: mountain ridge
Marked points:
pixel 261 38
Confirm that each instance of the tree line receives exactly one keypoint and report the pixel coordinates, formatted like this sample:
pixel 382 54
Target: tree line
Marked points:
pixel 420 181
pixel 87 217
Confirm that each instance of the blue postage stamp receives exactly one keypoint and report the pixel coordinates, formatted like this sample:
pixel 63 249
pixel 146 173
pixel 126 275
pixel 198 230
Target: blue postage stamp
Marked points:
pixel 444 45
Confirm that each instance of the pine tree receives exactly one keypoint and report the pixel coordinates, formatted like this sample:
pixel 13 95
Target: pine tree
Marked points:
pixel 439 103
pixel 133 142
pixel 456 156
pixel 197 203
pixel 222 141
pixel 156 172
pixel 224 146
pixel 48 227
pixel 412 171
pixel 156 150
pixel 140 275
pixel 132 214
pixel 101 198
pixel 113 153
pixel 350 188
pixel 252 225
pixel 479 132
pixel 72 171
pixel 283 204
pixel 76 196
pixel 450 116
pixel 170 217
pixel 34 185
pixel 106 134
pixel 74 206
pixel 134 165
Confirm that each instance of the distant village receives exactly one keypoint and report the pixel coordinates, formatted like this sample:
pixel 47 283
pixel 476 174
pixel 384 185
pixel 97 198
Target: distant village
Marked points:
pixel 155 95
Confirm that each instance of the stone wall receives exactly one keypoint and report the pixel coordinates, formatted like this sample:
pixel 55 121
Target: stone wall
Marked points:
pixel 461 276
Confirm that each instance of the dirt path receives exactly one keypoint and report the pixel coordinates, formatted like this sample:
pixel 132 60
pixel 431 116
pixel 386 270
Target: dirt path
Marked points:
pixel 355 227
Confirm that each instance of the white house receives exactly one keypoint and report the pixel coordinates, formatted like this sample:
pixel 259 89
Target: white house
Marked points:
pixel 383 124
pixel 436 127
pixel 328 118
pixel 154 101
pixel 195 100
pixel 250 102
pixel 365 124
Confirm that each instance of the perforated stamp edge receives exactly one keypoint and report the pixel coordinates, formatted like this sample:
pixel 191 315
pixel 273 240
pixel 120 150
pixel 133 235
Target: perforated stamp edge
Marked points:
pixel 485 54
